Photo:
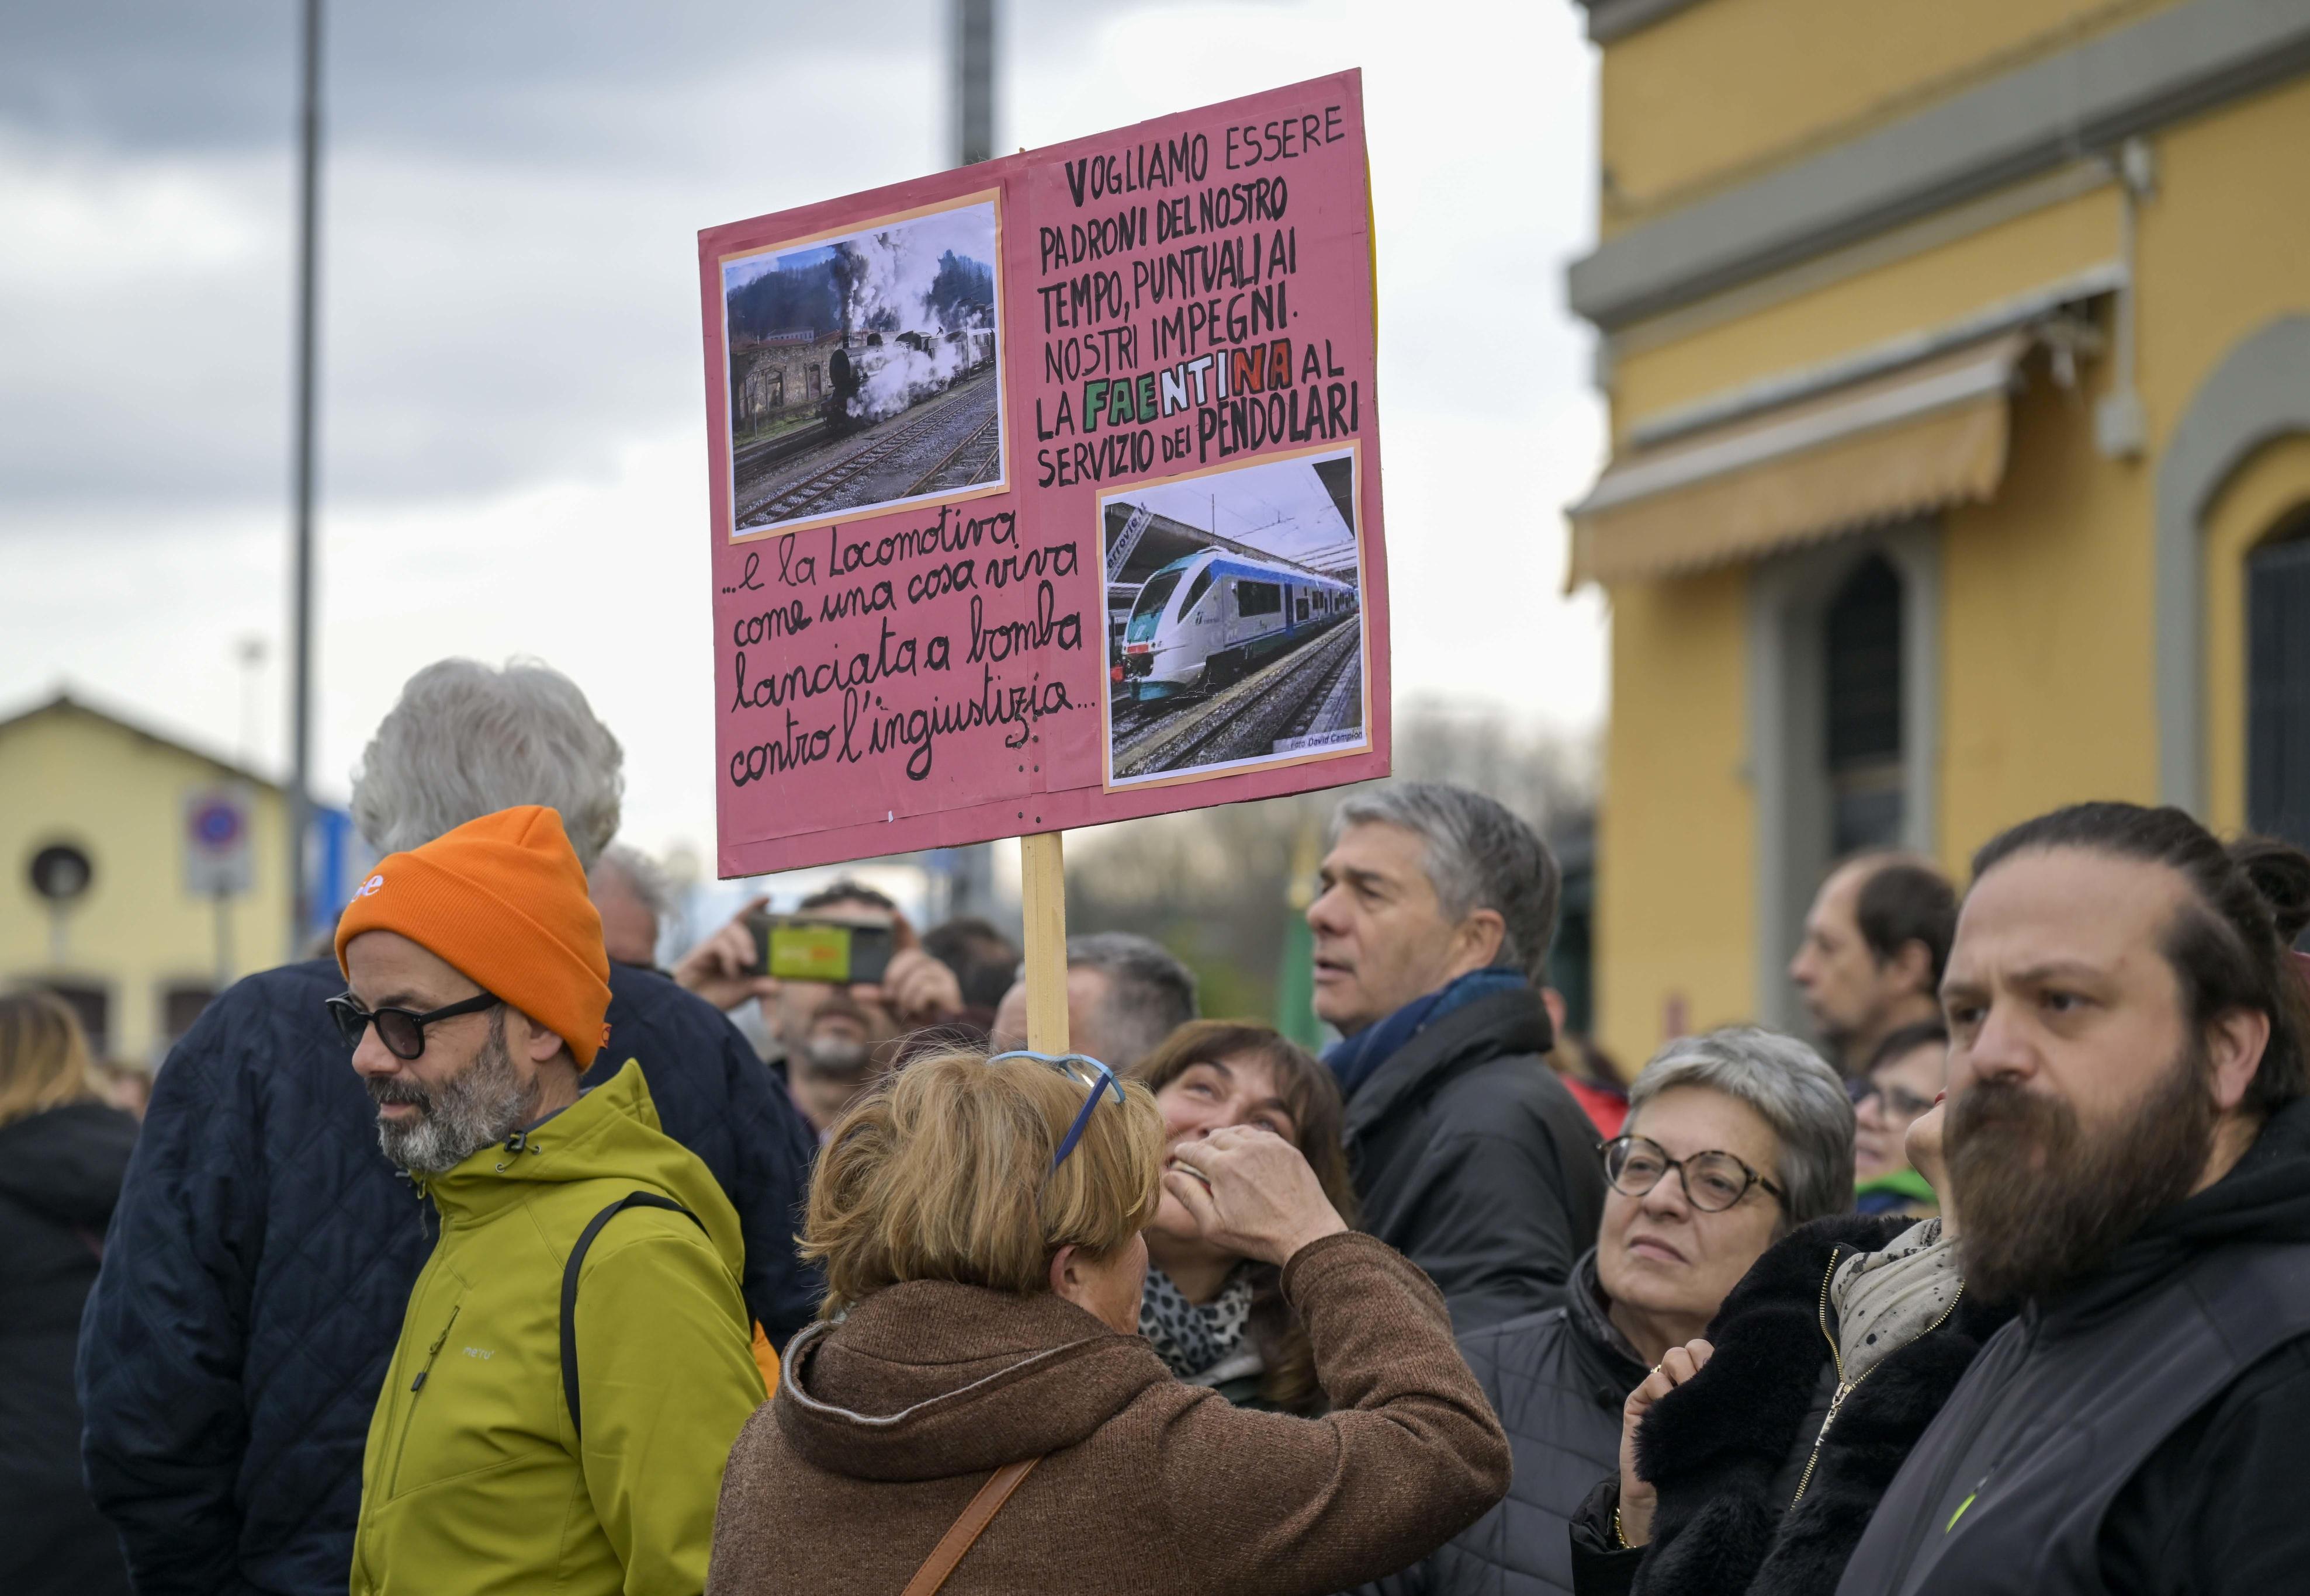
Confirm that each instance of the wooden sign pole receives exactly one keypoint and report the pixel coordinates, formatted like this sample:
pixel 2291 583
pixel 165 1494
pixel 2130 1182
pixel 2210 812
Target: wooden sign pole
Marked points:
pixel 1043 900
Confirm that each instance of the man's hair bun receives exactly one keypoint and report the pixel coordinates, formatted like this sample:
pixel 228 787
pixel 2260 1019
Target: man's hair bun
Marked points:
pixel 2280 873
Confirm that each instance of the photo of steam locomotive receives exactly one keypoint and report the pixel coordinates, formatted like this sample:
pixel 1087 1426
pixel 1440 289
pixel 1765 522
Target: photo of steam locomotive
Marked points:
pixel 1204 621
pixel 864 370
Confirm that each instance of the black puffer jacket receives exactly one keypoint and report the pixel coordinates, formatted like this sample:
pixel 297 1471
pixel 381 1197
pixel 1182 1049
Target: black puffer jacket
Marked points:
pixel 1728 1450
pixel 1474 1160
pixel 263 1257
pixel 59 1178
pixel 1558 1381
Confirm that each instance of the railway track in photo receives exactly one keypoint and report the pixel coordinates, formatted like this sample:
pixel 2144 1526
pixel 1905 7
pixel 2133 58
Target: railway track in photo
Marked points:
pixel 952 441
pixel 1316 687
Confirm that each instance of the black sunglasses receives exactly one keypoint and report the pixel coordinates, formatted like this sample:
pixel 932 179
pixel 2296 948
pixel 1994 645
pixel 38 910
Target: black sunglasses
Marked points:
pixel 402 1030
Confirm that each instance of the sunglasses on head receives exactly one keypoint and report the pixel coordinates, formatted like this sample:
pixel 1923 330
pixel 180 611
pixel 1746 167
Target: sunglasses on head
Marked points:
pixel 402 1030
pixel 1083 1069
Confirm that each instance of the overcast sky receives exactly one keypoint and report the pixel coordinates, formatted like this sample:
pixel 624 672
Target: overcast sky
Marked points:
pixel 513 420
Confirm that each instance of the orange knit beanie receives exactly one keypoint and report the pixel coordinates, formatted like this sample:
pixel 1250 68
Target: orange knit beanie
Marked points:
pixel 503 899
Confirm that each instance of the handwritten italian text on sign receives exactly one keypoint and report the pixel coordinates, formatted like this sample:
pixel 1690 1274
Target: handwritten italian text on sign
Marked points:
pixel 1045 492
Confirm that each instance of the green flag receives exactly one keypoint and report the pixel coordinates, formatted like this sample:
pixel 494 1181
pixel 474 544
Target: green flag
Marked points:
pixel 1295 978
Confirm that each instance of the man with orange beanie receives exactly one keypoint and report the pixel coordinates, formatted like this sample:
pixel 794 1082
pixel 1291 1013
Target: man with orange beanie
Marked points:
pixel 574 1364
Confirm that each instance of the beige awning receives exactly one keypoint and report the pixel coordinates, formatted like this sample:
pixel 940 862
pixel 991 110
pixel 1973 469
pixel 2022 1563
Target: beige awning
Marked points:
pixel 1917 441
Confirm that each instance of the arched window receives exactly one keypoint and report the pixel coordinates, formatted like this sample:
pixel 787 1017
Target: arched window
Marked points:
pixel 2277 683
pixel 1862 635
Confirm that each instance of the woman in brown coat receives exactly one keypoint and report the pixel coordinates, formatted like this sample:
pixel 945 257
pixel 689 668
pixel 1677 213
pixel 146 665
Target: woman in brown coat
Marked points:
pixel 979 1222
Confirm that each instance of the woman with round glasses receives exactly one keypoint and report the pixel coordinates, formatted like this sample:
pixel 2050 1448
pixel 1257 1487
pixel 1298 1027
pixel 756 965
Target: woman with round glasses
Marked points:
pixel 1215 1317
pixel 1731 1138
pixel 1767 1447
pixel 976 1403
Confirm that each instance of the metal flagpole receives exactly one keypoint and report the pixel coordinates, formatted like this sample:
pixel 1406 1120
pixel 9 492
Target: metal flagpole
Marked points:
pixel 972 43
pixel 301 663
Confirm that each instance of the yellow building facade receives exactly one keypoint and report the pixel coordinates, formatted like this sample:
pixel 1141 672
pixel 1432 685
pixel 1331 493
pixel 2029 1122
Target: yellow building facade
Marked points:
pixel 1958 361
pixel 139 948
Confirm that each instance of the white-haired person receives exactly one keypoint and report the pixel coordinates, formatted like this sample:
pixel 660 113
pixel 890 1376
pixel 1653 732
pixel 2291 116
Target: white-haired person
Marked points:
pixel 1733 1138
pixel 264 1248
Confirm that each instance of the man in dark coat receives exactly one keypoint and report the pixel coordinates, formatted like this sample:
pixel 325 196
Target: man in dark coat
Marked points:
pixel 1469 1156
pixel 265 1248
pixel 2129 1141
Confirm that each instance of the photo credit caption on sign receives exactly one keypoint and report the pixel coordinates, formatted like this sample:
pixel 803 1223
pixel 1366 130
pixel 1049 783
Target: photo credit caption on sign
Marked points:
pixel 1047 492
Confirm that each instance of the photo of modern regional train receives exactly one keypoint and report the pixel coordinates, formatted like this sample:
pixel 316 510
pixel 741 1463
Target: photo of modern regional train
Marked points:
pixel 1236 624
pixel 864 370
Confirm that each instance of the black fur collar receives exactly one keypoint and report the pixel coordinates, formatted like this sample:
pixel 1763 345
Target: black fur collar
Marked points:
pixel 1768 1352
pixel 1716 1446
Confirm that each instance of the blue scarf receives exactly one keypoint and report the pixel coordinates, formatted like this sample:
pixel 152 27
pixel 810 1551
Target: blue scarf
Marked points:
pixel 1356 1059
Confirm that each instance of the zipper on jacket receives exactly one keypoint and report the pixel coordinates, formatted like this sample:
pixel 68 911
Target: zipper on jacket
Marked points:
pixel 1985 1412
pixel 416 1390
pixel 1845 1388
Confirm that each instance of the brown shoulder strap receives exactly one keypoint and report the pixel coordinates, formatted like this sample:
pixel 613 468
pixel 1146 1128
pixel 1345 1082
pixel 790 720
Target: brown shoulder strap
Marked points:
pixel 968 1528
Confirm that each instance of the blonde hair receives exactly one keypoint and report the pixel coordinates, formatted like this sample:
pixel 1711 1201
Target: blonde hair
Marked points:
pixel 943 1173
pixel 44 1060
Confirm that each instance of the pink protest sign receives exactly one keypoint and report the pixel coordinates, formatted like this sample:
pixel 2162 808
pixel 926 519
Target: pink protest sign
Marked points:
pixel 1045 492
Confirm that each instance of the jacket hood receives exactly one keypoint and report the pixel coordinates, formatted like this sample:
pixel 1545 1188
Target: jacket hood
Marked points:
pixel 67 1163
pixel 2264 1199
pixel 931 1379
pixel 1492 1026
pixel 611 1134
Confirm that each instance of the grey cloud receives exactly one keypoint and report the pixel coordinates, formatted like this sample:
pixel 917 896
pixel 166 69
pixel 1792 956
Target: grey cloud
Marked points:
pixel 509 275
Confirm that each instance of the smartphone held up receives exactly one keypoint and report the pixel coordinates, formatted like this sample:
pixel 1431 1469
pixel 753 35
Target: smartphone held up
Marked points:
pixel 801 947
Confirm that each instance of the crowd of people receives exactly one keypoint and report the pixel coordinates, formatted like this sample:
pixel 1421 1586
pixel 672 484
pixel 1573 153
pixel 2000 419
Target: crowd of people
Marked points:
pixel 477 1254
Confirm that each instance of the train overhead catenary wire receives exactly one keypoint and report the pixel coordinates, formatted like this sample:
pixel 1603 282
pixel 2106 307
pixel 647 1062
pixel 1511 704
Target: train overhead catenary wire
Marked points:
pixel 1165 539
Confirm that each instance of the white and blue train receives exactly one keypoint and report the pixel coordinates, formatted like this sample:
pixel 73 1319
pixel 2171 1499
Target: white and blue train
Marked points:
pixel 1203 621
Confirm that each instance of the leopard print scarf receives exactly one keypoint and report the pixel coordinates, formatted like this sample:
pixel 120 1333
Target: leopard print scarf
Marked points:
pixel 1191 1336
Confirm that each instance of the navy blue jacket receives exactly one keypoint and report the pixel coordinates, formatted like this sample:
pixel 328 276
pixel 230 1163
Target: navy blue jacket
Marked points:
pixel 1556 1379
pixel 262 1252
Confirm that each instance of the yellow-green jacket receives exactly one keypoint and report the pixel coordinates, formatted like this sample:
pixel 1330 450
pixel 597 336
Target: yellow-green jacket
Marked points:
pixel 474 1482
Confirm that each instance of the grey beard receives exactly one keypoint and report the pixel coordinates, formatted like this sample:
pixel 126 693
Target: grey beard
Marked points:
pixel 836 1057
pixel 484 1103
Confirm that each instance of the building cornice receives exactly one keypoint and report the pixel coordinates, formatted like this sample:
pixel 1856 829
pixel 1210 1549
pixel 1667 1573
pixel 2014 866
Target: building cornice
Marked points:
pixel 2028 121
pixel 1609 19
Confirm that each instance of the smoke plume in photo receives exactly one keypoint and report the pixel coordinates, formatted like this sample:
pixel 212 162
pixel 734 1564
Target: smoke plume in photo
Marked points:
pixel 917 301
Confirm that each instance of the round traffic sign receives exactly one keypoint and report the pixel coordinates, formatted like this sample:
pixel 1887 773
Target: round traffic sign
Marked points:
pixel 217 826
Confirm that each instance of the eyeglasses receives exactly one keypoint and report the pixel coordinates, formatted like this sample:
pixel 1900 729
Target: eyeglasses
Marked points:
pixel 1083 1069
pixel 402 1030
pixel 1900 1102
pixel 1713 1181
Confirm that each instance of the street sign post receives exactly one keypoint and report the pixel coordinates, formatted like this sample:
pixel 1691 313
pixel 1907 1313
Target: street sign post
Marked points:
pixel 217 860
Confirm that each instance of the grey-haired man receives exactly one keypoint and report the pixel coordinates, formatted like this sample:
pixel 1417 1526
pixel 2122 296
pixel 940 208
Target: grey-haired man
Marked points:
pixel 1470 1157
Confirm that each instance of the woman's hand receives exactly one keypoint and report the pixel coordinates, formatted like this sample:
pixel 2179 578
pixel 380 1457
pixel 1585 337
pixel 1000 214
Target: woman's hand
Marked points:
pixel 1637 1497
pixel 1251 1193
